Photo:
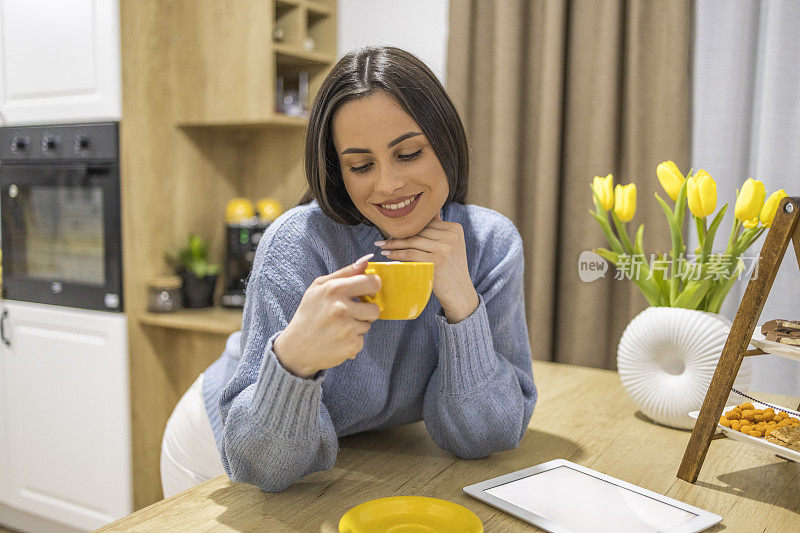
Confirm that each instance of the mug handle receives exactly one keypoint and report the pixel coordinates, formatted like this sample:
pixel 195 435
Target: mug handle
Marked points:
pixel 376 298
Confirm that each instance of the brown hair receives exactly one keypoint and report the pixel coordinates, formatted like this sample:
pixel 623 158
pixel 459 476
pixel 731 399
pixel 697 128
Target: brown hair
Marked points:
pixel 404 77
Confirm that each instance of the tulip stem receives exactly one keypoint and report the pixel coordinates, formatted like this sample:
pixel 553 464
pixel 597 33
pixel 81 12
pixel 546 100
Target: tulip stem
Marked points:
pixel 701 229
pixel 606 227
pixel 734 235
pixel 675 221
pixel 622 231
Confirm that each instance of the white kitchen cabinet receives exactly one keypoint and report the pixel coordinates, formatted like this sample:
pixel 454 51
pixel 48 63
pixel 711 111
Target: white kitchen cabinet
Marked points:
pixel 59 61
pixel 65 447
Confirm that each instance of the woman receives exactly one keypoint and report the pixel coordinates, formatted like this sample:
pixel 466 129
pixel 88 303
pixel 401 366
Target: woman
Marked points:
pixel 387 166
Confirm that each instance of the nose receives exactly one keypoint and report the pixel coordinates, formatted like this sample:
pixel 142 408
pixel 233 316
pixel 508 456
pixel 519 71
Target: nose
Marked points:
pixel 389 180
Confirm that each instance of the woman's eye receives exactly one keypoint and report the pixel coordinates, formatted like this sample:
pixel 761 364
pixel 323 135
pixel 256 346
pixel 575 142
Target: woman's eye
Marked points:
pixel 408 157
pixel 362 168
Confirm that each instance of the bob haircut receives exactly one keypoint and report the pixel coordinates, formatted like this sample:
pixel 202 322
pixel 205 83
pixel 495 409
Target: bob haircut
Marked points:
pixel 411 83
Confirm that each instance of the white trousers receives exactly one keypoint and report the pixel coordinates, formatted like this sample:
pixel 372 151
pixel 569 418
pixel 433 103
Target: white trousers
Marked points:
pixel 189 454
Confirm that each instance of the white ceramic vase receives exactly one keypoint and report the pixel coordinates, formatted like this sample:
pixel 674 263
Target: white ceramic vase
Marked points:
pixel 666 359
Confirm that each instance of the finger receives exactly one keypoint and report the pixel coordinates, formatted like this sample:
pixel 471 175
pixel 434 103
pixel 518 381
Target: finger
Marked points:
pixel 434 233
pixel 354 286
pixel 437 224
pixel 350 270
pixel 363 311
pixel 417 242
pixel 409 254
pixel 362 327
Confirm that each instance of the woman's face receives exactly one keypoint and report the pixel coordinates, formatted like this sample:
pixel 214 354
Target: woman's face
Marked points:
pixel 389 168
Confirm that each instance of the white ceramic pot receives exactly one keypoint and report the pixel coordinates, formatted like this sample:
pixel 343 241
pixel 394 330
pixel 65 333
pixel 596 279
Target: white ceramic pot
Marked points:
pixel 666 359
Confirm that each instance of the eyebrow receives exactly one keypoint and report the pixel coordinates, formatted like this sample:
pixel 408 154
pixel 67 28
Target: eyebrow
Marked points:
pixel 398 140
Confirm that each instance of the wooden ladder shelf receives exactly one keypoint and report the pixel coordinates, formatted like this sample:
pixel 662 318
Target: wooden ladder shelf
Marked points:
pixel 784 228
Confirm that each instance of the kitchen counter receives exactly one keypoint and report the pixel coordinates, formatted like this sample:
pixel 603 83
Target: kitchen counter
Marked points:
pixel 583 415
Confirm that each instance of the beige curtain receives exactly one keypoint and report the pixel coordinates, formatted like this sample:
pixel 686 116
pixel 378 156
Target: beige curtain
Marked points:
pixel 552 93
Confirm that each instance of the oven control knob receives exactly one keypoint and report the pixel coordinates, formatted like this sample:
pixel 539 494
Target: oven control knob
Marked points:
pixel 19 144
pixel 50 142
pixel 81 143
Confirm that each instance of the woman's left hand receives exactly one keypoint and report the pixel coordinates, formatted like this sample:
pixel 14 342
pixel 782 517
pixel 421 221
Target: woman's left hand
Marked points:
pixel 441 243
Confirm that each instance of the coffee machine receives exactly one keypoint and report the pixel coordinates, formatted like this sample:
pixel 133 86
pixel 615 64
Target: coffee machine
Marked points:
pixel 243 231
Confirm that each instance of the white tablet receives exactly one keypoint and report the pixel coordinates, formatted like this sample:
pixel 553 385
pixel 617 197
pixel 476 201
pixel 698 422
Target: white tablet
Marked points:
pixel 560 496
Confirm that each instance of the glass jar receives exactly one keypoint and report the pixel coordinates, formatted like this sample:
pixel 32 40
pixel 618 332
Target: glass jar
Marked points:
pixel 164 294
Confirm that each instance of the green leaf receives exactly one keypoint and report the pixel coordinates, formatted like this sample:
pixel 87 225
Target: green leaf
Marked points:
pixel 694 292
pixel 665 207
pixel 658 277
pixel 677 239
pixel 747 239
pixel 623 233
pixel 610 237
pixel 680 205
pixel 639 246
pixel 722 288
pixel 650 291
pixel 608 255
pixel 194 258
pixel 712 232
pixel 734 233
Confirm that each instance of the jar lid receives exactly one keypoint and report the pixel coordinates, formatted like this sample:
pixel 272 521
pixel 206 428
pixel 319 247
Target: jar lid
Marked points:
pixel 165 282
pixel 238 210
pixel 269 209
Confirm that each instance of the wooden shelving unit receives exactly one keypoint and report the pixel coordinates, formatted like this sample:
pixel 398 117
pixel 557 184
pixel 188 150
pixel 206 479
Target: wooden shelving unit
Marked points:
pixel 232 55
pixel 275 121
pixel 199 100
pixel 217 320
pixel 289 55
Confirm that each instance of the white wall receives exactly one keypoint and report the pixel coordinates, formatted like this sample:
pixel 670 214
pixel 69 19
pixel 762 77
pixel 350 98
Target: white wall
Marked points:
pixel 418 26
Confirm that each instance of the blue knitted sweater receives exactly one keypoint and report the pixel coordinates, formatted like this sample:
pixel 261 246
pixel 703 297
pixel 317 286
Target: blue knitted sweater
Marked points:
pixel 471 382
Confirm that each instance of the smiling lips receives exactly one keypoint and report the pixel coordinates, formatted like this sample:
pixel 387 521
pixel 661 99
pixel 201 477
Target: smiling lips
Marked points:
pixel 399 209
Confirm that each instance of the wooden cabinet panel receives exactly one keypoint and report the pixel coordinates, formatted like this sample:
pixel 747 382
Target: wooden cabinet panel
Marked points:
pixel 59 61
pixel 66 450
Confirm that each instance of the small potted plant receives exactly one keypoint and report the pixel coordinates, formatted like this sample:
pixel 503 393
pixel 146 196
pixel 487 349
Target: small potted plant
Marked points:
pixel 199 275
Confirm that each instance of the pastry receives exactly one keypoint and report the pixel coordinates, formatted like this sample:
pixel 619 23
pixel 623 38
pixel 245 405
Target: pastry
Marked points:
pixel 782 331
pixel 785 436
pixel 791 340
pixel 780 324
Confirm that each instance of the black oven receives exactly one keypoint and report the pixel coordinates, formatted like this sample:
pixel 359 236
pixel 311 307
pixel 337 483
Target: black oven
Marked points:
pixel 60 209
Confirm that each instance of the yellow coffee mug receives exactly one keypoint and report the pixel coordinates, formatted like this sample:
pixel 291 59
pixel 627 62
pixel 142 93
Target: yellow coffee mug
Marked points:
pixel 405 288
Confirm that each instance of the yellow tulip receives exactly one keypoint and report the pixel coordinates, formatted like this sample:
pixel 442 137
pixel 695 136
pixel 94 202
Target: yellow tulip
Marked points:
pixel 750 200
pixel 604 189
pixel 625 201
pixel 750 224
pixel 671 178
pixel 771 206
pixel 701 194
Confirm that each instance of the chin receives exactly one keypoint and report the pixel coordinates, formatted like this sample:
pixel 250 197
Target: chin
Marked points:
pixel 403 230
pixel 402 234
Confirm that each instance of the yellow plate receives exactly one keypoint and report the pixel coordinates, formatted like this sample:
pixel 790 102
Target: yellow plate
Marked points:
pixel 406 514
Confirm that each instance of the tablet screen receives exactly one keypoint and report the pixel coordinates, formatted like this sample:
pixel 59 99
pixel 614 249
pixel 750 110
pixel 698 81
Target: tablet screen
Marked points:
pixel 581 502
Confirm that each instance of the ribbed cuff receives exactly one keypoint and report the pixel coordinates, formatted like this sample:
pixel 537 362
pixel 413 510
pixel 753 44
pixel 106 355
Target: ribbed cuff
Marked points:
pixel 283 403
pixel 466 352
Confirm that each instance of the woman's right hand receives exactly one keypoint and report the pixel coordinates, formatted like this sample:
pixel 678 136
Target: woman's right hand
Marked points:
pixel 329 326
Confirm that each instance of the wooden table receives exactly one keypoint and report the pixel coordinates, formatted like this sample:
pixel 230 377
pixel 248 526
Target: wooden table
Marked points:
pixel 583 415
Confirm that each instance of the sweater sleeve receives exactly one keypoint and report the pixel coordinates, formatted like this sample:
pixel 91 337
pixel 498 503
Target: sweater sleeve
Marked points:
pixel 275 427
pixel 481 396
